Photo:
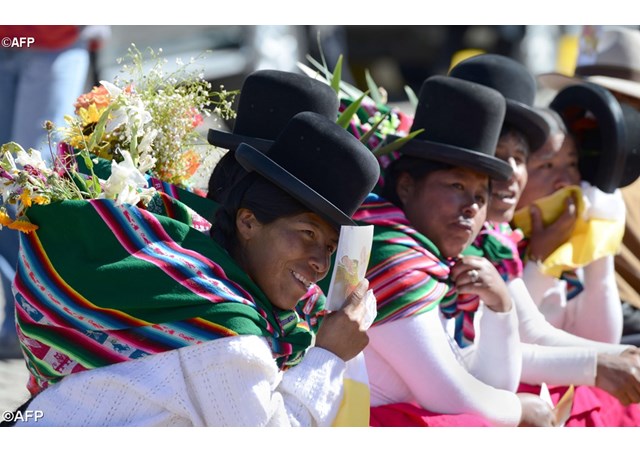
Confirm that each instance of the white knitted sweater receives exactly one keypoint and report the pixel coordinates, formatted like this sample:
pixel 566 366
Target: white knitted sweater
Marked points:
pixel 232 381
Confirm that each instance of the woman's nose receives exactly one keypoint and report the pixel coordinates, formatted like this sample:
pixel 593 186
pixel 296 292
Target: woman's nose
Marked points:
pixel 320 261
pixel 561 180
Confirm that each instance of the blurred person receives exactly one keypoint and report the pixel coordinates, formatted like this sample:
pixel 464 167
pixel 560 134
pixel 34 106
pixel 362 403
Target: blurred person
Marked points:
pixel 610 57
pixel 43 70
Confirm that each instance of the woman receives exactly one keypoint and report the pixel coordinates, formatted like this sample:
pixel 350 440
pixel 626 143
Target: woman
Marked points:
pixel 586 294
pixel 218 342
pixel 433 205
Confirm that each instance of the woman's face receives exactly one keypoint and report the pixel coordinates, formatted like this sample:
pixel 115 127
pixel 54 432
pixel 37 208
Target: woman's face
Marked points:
pixel 447 206
pixel 552 167
pixel 513 149
pixel 284 257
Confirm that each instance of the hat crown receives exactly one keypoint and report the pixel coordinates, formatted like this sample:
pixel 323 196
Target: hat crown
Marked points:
pixel 516 83
pixel 270 98
pixel 459 113
pixel 330 163
pixel 506 75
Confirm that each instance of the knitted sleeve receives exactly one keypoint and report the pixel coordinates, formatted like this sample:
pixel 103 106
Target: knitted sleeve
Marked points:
pixel 232 381
pixel 249 390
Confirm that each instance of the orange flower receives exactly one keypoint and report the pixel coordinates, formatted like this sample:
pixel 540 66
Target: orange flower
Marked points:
pixel 25 198
pixel 40 199
pixel 191 162
pixel 98 96
pixel 23 226
pixel 5 220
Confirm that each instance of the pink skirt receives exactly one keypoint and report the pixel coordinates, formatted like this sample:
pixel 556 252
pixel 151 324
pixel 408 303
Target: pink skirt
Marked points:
pixel 407 414
pixel 592 407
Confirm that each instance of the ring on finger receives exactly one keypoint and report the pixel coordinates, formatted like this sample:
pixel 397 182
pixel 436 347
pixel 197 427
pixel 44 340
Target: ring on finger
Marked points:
pixel 474 275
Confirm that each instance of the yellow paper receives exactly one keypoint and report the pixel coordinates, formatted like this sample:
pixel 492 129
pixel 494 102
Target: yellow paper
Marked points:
pixel 591 239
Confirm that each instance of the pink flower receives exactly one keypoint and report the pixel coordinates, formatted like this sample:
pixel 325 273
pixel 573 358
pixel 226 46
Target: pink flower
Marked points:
pixel 65 159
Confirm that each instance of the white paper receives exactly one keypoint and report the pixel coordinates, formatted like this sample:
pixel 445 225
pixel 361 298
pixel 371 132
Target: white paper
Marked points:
pixel 352 259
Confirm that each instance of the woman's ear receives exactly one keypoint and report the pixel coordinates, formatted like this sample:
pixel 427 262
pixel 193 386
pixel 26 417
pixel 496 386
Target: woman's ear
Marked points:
pixel 246 224
pixel 404 187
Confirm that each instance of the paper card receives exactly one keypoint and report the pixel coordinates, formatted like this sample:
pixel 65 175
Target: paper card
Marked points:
pixel 352 258
pixel 562 410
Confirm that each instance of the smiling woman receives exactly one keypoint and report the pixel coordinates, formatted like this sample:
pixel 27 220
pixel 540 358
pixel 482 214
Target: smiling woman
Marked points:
pixel 221 341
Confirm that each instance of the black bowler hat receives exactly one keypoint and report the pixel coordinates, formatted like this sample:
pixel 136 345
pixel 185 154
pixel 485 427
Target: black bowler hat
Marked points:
pixel 462 122
pixel 514 81
pixel 268 100
pixel 607 134
pixel 319 163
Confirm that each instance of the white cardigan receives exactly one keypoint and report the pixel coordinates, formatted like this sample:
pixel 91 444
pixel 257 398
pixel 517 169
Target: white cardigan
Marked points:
pixel 232 381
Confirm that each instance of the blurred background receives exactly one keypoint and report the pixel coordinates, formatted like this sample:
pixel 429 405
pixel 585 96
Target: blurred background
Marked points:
pixel 395 55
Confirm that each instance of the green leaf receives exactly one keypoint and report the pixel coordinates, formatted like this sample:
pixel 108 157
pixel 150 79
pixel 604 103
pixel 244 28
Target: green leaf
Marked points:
pixel 365 138
pixel 98 132
pixel 337 75
pixel 373 88
pixel 395 145
pixel 347 114
pixel 349 90
pixel 413 99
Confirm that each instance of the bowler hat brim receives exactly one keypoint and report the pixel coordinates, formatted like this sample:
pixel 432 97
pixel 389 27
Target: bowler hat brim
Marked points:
pixel 530 123
pixel 459 157
pixel 228 140
pixel 253 159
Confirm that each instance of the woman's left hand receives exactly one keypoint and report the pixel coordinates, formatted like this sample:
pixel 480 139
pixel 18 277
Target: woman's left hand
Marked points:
pixel 476 275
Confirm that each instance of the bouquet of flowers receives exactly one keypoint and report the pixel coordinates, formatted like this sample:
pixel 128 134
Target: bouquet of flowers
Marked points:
pixel 152 115
pixel 143 126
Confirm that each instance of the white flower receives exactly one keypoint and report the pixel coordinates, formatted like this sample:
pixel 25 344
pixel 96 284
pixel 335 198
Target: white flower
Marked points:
pixel 113 90
pixel 33 158
pixel 147 141
pixel 117 118
pixel 126 183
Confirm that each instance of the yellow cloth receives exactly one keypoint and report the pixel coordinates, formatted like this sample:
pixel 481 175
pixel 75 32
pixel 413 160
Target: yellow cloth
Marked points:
pixel 356 399
pixel 597 233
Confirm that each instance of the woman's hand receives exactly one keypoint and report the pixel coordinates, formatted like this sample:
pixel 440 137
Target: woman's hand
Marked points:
pixel 341 331
pixel 535 411
pixel 476 275
pixel 620 375
pixel 545 240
